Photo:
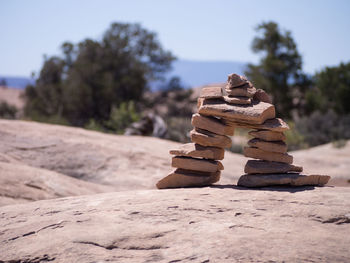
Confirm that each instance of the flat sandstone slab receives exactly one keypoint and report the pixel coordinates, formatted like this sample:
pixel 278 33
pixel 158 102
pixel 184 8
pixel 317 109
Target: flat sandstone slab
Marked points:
pixel 267 167
pixel 207 138
pixel 291 179
pixel 211 124
pixel 268 135
pixel 247 90
pixel 193 164
pixel 199 151
pixel 276 146
pixel 254 113
pixel 235 80
pixel 267 156
pixel 211 93
pixel 152 225
pixel 238 100
pixel 183 178
pixel 261 95
pixel 274 124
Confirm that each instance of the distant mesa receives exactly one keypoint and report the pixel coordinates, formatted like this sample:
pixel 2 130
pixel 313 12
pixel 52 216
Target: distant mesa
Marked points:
pixel 17 82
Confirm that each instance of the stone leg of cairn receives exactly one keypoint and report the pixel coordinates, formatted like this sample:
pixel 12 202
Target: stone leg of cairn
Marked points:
pixel 274 165
pixel 198 163
pixel 219 112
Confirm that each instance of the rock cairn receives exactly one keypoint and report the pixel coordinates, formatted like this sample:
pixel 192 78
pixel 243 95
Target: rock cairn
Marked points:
pixel 219 112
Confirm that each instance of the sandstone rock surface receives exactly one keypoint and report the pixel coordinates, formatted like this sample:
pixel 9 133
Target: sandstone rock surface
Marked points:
pixel 246 90
pixel 194 164
pixel 187 178
pixel 235 80
pixel 292 179
pixel 265 167
pixel 276 146
pixel 87 155
pixel 255 113
pixel 21 183
pixel 261 95
pixel 199 151
pixel 211 93
pixel 125 162
pixel 211 124
pixel 237 100
pixel 207 138
pixel 268 135
pixel 275 124
pixel 212 224
pixel 257 153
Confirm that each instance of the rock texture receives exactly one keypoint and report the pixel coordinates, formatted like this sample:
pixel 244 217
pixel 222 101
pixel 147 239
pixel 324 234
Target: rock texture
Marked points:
pixel 217 224
pixel 267 167
pixel 255 113
pixel 21 183
pixel 207 138
pixel 199 151
pixel 292 179
pixel 211 124
pixel 121 162
pixel 188 178
pixel 194 164
pixel 274 146
pixel 268 135
pixel 261 95
pixel 211 93
pixel 246 90
pixel 238 100
pixel 114 160
pixel 268 156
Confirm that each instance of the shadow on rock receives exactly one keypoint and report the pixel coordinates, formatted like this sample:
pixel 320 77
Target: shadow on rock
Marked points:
pixel 291 189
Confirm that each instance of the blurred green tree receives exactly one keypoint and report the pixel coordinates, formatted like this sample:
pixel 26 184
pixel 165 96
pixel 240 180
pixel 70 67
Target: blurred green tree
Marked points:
pixel 279 71
pixel 331 90
pixel 94 77
pixel 7 111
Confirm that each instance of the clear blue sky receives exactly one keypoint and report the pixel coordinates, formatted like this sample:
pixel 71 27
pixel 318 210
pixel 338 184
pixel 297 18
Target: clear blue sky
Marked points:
pixel 191 29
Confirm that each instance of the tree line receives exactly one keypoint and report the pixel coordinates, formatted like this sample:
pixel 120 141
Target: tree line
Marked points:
pixel 102 82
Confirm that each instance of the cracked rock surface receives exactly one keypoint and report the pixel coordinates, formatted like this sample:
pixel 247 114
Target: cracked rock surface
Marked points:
pixel 211 224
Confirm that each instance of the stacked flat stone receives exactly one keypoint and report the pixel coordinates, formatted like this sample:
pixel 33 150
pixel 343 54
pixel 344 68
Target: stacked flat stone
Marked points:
pixel 269 148
pixel 198 163
pixel 219 113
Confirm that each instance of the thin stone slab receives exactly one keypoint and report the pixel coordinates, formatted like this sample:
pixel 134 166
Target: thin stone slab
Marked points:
pixel 235 80
pixel 266 167
pixel 211 93
pixel 211 124
pixel 268 135
pixel 275 124
pixel 194 164
pixel 276 146
pixel 199 151
pixel 261 95
pixel 184 178
pixel 207 138
pixel 199 102
pixel 247 90
pixel 291 179
pixel 257 153
pixel 237 100
pixel 254 113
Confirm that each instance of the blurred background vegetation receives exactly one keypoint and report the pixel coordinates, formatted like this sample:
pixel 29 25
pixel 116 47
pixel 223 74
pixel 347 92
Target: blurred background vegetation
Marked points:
pixel 105 86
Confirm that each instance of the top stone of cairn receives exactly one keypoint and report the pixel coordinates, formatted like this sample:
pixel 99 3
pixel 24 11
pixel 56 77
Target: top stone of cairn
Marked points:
pixel 235 80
